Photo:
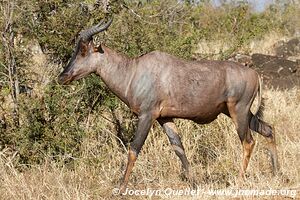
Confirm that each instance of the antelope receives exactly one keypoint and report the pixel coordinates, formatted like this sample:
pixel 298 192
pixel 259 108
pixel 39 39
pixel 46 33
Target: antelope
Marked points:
pixel 162 87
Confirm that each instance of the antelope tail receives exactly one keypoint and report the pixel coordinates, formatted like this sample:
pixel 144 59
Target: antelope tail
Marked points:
pixel 256 123
pixel 261 104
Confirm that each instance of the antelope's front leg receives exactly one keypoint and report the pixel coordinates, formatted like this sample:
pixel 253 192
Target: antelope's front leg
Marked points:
pixel 144 125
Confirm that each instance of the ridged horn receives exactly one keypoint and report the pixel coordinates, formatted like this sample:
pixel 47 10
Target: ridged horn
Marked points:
pixel 88 33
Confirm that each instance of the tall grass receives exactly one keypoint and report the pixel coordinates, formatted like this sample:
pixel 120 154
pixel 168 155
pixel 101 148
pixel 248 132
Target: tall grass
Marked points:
pixel 214 151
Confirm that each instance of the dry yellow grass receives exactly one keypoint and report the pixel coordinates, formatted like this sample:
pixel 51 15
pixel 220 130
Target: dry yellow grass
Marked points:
pixel 213 150
pixel 265 45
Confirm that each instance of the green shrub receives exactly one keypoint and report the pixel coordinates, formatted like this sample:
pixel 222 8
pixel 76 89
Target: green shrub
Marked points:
pixel 54 124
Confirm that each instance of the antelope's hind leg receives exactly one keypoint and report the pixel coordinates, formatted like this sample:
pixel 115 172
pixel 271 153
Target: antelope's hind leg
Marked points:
pixel 172 133
pixel 272 147
pixel 248 146
pixel 240 116
pixel 268 132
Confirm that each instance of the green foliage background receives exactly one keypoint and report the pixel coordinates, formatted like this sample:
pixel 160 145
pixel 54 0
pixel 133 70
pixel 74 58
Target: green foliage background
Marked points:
pixel 53 124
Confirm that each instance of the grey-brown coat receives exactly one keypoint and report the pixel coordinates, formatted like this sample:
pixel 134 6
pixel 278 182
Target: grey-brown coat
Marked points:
pixel 159 86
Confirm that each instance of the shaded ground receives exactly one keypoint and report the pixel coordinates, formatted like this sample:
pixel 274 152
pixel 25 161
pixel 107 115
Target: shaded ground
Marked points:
pixel 280 71
pixel 288 49
pixel 277 72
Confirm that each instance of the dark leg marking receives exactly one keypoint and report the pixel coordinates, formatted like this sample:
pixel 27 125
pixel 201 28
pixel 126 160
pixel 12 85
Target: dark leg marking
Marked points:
pixel 172 133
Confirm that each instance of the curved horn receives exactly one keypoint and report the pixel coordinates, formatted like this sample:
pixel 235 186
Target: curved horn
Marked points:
pixel 87 34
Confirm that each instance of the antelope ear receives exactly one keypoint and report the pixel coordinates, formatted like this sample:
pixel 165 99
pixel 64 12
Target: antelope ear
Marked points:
pixel 100 49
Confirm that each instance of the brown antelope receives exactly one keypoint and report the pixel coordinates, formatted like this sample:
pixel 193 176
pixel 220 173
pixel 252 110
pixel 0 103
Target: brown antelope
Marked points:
pixel 159 86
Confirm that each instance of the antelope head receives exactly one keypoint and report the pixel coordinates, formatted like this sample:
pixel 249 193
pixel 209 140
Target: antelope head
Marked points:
pixel 83 60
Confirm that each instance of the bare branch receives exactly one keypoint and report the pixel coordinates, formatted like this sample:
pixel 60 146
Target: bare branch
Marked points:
pixel 8 39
